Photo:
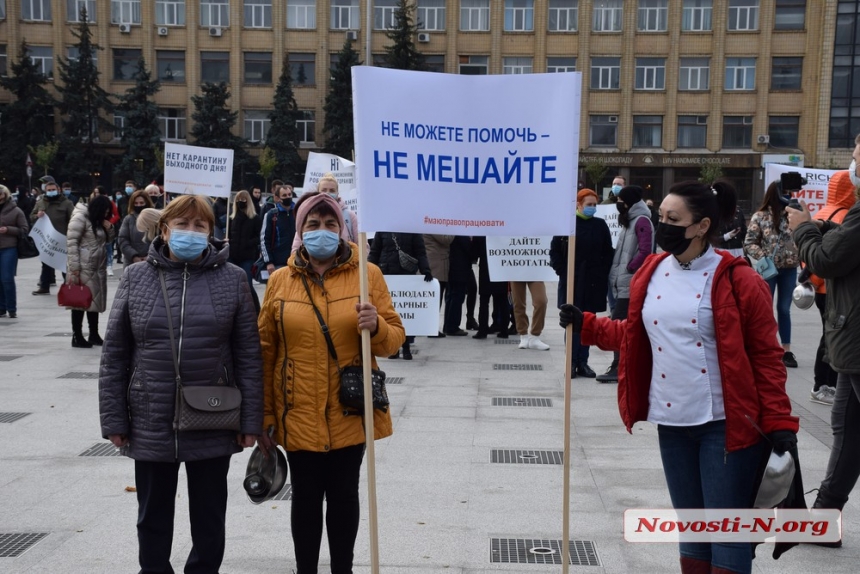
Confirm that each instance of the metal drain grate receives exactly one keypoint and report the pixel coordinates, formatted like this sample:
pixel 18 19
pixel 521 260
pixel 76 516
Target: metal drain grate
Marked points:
pixel 59 334
pixel 79 375
pixel 812 424
pixel 394 380
pixel 285 494
pixel 516 367
pixel 14 544
pixel 506 456
pixel 101 449
pixel 521 402
pixel 539 551
pixel 6 358
pixel 12 417
pixel 507 341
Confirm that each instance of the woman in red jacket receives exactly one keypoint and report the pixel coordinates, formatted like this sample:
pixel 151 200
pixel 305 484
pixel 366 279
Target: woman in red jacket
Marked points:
pixel 700 359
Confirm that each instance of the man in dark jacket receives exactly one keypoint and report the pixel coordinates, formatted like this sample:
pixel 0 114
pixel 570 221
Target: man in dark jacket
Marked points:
pixel 497 290
pixel 59 210
pixel 459 268
pixel 25 201
pixel 277 232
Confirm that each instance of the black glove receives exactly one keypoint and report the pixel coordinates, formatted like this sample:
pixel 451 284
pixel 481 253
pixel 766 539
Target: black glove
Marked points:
pixel 428 277
pixel 803 276
pixel 570 315
pixel 782 440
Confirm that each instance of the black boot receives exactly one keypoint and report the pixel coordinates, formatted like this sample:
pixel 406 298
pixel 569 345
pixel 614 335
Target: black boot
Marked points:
pixel 407 352
pixel 611 374
pixel 79 342
pixel 93 321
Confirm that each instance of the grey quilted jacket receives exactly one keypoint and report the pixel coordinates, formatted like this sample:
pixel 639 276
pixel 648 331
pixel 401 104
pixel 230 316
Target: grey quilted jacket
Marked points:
pixel 216 333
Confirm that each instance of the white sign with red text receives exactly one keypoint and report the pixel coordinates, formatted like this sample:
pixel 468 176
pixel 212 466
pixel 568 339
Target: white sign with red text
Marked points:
pixel 814 193
pixel 197 170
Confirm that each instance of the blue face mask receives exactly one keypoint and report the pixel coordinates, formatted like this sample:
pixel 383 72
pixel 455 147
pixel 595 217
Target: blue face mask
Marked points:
pixel 616 189
pixel 119 196
pixel 51 193
pixel 589 211
pixel 67 192
pixel 187 245
pixel 129 190
pixel 321 244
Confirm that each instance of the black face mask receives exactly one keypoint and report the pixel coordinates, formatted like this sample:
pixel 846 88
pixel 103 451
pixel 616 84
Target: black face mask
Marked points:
pixel 242 204
pixel 671 238
pixel 621 207
pixel 139 208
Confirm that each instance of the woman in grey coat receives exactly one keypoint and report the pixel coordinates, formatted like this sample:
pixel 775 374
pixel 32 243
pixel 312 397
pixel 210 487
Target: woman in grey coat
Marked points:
pixel 131 242
pixel 217 342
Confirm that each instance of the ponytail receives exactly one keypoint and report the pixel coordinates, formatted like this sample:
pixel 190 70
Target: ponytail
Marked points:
pixel 717 202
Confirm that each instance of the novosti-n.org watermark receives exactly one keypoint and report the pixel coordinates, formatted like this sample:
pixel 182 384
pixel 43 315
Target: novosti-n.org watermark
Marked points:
pixel 732 525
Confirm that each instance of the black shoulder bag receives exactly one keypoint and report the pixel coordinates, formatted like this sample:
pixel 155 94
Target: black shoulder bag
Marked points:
pixel 352 378
pixel 407 262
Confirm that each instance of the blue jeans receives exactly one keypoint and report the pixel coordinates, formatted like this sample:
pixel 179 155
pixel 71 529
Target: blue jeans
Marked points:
pixel 8 268
pixel 784 282
pixel 700 474
pixel 109 251
pixel 246 267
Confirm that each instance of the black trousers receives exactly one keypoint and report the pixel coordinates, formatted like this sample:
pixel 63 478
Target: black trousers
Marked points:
pixel 843 468
pixel 471 295
pixel 331 476
pixel 48 276
pixel 207 508
pixel 822 373
pixel 501 310
pixel 78 321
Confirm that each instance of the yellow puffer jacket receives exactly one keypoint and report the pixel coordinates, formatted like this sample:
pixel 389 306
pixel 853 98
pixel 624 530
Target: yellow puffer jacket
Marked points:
pixel 300 379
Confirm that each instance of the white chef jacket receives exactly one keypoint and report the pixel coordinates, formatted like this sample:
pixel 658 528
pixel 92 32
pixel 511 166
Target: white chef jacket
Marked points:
pixel 686 386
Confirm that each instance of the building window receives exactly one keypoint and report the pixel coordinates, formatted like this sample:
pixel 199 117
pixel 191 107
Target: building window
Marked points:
pixel 737 132
pixel 383 14
pixel 692 131
pixel 605 73
pixel 697 15
pixel 43 58
pixel 125 11
pixel 475 15
pixel 170 66
pixel 125 63
pixel 740 74
pixel 517 65
pixel 786 73
pixel 73 10
pixel 435 63
pixel 257 124
pixel 474 65
pixel 170 12
pixel 563 15
pixel 743 15
pixel 519 15
pixel 215 67
pixel 307 126
pixel 345 15
pixel 784 131
pixel 302 14
pixel 602 131
pixel 650 73
pixel 73 52
pixel 2 9
pixel 258 13
pixel 695 74
pixel 653 15
pixel 647 131
pixel 118 126
pixel 554 65
pixel 258 68
pixel 844 121
pixel 789 15
pixel 431 15
pixel 3 62
pixel 36 10
pixel 172 123
pixel 303 69
pixel 607 16
pixel 215 13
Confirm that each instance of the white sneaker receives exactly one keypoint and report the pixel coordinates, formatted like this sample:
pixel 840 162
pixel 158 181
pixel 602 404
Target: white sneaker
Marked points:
pixel 524 341
pixel 538 345
pixel 110 271
pixel 823 396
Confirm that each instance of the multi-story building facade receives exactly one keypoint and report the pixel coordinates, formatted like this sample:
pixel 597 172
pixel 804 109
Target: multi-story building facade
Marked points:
pixel 668 85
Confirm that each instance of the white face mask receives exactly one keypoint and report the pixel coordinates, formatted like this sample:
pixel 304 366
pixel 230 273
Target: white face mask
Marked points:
pixel 852 172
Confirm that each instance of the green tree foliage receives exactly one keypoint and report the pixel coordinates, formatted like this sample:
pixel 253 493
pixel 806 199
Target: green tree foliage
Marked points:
pixel 338 104
pixel 141 135
pixel 283 136
pixel 402 54
pixel 268 162
pixel 26 122
pixel 84 106
pixel 710 173
pixel 213 121
pixel 45 154
pixel 595 172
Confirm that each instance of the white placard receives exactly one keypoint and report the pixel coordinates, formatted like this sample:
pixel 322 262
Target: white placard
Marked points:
pixel 197 170
pixel 417 302
pixel 609 214
pixel 320 164
pixel 519 259
pixel 50 243
pixel 466 155
pixel 814 193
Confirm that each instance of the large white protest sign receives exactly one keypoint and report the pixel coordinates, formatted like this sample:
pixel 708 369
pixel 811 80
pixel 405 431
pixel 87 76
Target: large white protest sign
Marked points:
pixel 197 170
pixel 417 302
pixel 519 259
pixel 320 164
pixel 814 193
pixel 50 243
pixel 609 214
pixel 435 154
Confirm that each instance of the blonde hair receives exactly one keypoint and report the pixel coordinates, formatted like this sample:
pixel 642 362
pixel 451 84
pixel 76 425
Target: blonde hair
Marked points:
pixel 4 192
pixel 329 177
pixel 189 206
pixel 250 211
pixel 147 223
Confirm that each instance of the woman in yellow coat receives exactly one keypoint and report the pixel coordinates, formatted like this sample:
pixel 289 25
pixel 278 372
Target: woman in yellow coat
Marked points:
pixel 324 441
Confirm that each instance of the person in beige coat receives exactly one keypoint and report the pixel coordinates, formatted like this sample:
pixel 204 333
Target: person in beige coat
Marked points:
pixel 438 253
pixel 89 230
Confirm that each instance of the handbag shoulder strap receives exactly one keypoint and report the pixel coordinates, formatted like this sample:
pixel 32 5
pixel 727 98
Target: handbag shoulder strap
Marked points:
pixel 394 239
pixel 323 326
pixel 170 327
